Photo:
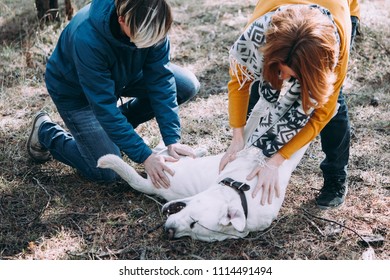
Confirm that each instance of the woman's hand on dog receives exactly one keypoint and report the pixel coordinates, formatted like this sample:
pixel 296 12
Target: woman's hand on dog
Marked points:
pixel 236 145
pixel 267 179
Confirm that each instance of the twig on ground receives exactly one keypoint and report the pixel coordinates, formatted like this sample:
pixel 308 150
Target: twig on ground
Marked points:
pixel 104 254
pixel 314 225
pixel 40 212
pixel 196 257
pixel 81 231
pixel 159 203
pixel 143 255
pixel 48 200
pixel 341 225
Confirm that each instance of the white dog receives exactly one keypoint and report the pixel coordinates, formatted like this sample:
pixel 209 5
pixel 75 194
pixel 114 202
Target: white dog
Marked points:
pixel 207 205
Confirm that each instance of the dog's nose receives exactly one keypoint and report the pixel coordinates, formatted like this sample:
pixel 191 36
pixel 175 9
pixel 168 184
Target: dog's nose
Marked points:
pixel 170 232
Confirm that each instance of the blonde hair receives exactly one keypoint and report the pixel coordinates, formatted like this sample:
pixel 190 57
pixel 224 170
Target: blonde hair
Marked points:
pixel 303 39
pixel 149 20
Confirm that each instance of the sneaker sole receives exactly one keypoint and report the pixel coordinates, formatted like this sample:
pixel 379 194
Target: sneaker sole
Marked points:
pixel 28 144
pixel 323 207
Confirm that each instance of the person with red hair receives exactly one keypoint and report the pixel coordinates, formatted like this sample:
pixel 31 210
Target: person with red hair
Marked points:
pixel 288 68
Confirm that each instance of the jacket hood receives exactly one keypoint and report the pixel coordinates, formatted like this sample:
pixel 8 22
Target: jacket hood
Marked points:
pixel 100 14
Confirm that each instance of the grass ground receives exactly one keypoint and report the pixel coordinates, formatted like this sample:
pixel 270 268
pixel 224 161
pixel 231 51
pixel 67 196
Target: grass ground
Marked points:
pixel 49 212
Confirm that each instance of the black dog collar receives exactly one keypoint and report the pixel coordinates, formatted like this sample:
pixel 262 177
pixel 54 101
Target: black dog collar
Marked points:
pixel 240 188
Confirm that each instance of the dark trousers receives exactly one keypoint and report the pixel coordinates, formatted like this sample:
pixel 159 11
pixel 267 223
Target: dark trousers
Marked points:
pixel 335 141
pixel 336 135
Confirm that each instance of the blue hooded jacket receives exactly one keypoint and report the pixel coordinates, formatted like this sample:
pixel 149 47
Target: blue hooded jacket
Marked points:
pixel 92 67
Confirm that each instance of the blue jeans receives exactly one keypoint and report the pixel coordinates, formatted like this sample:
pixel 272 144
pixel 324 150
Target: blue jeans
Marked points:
pixel 87 141
pixel 138 110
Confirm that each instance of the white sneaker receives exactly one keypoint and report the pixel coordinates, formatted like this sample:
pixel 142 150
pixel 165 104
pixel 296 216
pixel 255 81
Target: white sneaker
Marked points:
pixel 34 147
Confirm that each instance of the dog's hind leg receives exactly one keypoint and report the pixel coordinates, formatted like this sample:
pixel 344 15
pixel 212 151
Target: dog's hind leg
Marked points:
pixel 127 173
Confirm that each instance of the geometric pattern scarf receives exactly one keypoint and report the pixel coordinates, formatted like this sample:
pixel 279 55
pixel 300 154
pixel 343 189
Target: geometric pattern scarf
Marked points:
pixel 278 118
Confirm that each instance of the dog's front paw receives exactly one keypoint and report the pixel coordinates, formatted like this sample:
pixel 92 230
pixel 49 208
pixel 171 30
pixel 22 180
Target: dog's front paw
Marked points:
pixel 200 152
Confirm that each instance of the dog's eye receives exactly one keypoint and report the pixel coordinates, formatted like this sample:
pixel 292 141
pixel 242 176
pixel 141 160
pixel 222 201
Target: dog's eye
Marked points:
pixel 192 224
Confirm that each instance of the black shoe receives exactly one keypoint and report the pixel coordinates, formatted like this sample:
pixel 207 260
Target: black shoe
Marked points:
pixel 333 193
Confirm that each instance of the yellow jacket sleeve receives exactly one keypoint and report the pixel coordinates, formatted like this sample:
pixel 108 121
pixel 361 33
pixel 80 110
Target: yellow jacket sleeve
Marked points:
pixel 354 8
pixel 238 100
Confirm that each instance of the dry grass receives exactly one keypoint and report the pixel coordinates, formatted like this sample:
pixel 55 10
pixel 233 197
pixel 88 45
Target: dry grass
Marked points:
pixel 48 212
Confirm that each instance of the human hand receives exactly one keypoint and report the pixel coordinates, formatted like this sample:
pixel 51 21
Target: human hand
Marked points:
pixel 176 150
pixel 267 182
pixel 267 178
pixel 236 146
pixel 155 167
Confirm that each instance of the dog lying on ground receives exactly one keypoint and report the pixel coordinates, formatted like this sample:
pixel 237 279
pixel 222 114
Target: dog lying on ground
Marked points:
pixel 206 205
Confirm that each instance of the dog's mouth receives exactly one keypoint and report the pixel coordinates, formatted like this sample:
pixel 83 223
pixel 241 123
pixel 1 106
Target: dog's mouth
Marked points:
pixel 173 208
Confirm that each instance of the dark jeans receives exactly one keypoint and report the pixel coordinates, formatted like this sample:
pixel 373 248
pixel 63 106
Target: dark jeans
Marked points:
pixel 355 29
pixel 82 146
pixel 336 135
pixel 138 110
pixel 335 140
pixel 87 141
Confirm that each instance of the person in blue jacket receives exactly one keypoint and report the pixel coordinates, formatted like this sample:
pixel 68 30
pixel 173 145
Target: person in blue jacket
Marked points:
pixel 113 49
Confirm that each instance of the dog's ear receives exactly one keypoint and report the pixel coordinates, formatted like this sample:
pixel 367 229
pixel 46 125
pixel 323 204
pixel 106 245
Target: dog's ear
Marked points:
pixel 236 217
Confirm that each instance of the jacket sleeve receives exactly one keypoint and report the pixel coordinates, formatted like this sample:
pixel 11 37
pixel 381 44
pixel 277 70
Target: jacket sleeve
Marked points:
pixel 238 100
pixel 354 8
pixel 99 88
pixel 161 88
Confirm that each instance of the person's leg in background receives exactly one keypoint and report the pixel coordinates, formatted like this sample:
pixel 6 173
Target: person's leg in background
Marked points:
pixel 335 141
pixel 138 110
pixel 355 30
